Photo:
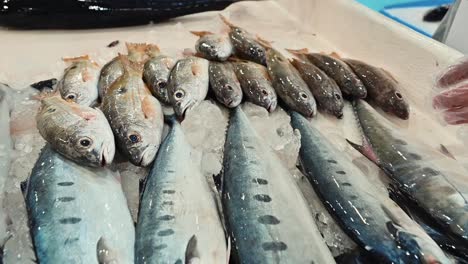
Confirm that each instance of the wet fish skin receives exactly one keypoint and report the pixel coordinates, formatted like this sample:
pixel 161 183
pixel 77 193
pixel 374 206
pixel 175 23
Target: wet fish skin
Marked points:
pixel 245 44
pixel 266 215
pixel 137 52
pixel 78 132
pixel 256 84
pixel 381 88
pixel 289 84
pixel 214 47
pixel 417 176
pixel 156 76
pixel 347 80
pixel 135 116
pixel 347 195
pixel 224 84
pixel 188 84
pixel 70 208
pixel 178 220
pixel 324 89
pixel 79 81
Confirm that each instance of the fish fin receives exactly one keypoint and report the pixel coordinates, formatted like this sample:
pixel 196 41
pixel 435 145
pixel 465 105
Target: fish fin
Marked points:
pixel 192 256
pixel 201 33
pixel 196 69
pixel 104 254
pixel 390 214
pixel 76 59
pixel 141 185
pixel 335 55
pixel 298 51
pixel 446 152
pixel 265 43
pixel 228 250
pixel 24 187
pixel 217 179
pixel 188 52
pixel 46 84
pixel 226 21
pixel 365 149
pixel 129 65
pixel 86 114
pixel 149 107
pixel 142 48
pixel 389 74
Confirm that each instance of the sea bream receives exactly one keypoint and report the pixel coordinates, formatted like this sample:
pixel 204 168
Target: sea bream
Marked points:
pixel 188 84
pixel 77 214
pixel 156 76
pixel 324 89
pixel 256 84
pixel 80 80
pixel 137 52
pixel 382 88
pixel 224 84
pixel 245 44
pixel 347 80
pixel 289 84
pixel 135 116
pixel 266 215
pixel 78 132
pixel 215 47
pixel 417 175
pixel 353 202
pixel 178 220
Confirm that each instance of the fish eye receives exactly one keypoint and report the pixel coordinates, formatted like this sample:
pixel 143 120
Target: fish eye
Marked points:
pixel 238 30
pixel 179 94
pixel 85 142
pixel 398 95
pixel 134 138
pixel 229 87
pixel 162 84
pixel 264 92
pixel 303 95
pixel 259 50
pixel 71 97
pixel 337 96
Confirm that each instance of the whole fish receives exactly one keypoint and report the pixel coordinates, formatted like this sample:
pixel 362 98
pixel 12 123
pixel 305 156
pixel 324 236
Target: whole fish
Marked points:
pixel 349 198
pixel 225 84
pixel 266 215
pixel 137 52
pixel 78 132
pixel 81 14
pixel 80 80
pixel 417 176
pixel 188 84
pixel 135 116
pixel 178 221
pixel 77 214
pixel 245 45
pixel 213 46
pixel 324 89
pixel 382 88
pixel 347 80
pixel 289 85
pixel 256 84
pixel 156 76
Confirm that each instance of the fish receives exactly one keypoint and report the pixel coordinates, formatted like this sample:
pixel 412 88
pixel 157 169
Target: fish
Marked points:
pixel 72 209
pixel 178 220
pixel 214 47
pixel 188 84
pixel 353 203
pixel 156 76
pixel 137 52
pixel 245 44
pixel 417 176
pixel 135 116
pixel 289 85
pixel 344 76
pixel 80 80
pixel 324 89
pixel 266 215
pixel 382 88
pixel 45 85
pixel 225 84
pixel 454 74
pixel 86 14
pixel 78 132
pixel 256 84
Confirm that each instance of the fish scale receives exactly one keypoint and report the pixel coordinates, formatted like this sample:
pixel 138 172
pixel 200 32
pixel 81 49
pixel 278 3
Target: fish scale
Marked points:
pixel 266 215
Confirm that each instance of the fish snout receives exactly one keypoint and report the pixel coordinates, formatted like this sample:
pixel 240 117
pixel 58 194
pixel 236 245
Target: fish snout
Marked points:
pixel 147 156
pixel 107 155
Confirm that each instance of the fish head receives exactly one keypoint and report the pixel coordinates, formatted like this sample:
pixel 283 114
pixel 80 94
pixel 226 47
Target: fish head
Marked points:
pixel 336 104
pixel 231 94
pixel 140 144
pixel 80 83
pixel 183 99
pixel 396 104
pixel 359 90
pixel 305 103
pixel 214 47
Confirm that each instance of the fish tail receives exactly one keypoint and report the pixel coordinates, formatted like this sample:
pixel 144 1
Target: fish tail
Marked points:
pixel 191 252
pixel 130 66
pixel 76 59
pixel 201 33
pixel 143 48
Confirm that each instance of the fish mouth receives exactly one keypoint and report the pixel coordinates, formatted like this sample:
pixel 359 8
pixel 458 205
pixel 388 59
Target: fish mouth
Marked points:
pixel 271 107
pixel 147 157
pixel 183 111
pixel 107 156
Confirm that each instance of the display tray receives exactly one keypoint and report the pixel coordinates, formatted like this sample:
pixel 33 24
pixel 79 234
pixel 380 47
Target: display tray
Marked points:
pixel 340 26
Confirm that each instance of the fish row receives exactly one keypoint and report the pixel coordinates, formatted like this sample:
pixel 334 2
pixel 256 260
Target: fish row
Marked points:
pixel 266 218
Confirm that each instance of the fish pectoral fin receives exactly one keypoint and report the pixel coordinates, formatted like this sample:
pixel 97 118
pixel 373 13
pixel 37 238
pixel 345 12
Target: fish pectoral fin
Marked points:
pixel 150 108
pixel 201 33
pixel 446 152
pixel 365 149
pixel 105 255
pixel 24 187
pixel 192 256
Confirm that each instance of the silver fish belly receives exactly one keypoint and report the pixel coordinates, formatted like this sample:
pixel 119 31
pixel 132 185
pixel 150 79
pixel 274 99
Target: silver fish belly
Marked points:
pixel 266 215
pixel 178 220
pixel 73 210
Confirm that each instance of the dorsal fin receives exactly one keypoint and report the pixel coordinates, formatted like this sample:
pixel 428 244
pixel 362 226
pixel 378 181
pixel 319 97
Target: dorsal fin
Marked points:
pixel 76 59
pixel 264 43
pixel 201 33
pixel 335 55
pixel 226 21
pixel 298 51
pixel 104 254
pixel 192 256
